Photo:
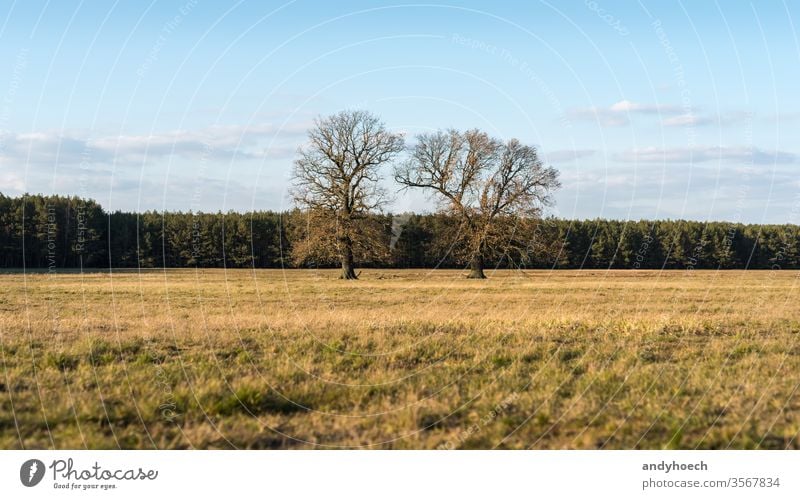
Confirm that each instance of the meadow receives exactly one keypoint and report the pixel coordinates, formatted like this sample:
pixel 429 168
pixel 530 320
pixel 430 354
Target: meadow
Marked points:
pixel 416 359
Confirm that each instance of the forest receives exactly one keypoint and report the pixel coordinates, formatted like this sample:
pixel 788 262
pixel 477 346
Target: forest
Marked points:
pixel 59 232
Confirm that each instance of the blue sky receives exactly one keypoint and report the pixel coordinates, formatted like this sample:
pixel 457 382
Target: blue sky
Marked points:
pixel 648 109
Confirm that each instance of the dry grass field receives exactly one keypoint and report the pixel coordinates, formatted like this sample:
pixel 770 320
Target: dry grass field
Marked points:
pixel 400 359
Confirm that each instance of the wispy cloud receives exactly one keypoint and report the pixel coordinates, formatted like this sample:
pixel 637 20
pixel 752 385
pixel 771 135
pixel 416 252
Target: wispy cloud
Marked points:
pixel 568 154
pixel 710 153
pixel 626 106
pixel 693 119
pixel 687 119
pixel 784 117
pixel 618 114
pixel 11 181
pixel 215 142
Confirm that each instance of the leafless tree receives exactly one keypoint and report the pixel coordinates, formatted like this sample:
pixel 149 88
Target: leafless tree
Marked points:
pixel 336 183
pixel 495 190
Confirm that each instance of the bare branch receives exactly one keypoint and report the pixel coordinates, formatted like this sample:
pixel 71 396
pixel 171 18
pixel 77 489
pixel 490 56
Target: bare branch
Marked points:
pixel 336 175
pixel 489 185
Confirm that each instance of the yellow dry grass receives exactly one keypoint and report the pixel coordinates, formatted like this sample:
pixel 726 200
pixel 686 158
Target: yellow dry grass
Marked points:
pixel 400 359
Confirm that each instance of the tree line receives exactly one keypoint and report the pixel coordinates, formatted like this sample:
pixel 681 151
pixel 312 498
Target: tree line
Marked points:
pixel 60 232
pixel 490 195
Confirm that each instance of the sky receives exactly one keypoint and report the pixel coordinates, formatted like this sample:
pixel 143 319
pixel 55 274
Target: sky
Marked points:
pixel 649 110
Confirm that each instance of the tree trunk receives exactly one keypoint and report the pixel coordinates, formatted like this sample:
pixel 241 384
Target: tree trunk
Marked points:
pixel 476 267
pixel 348 270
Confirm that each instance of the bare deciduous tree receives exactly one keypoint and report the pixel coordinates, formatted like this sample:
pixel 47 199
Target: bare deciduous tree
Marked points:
pixel 496 190
pixel 336 182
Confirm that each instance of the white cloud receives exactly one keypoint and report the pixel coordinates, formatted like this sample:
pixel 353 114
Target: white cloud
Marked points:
pixel 11 182
pixel 216 142
pixel 687 119
pixel 693 119
pixel 709 153
pixel 588 181
pixel 626 106
pixel 618 114
pixel 784 117
pixel 568 154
